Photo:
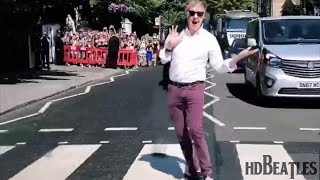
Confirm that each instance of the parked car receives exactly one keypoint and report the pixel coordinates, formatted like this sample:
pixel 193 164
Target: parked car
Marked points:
pixel 288 62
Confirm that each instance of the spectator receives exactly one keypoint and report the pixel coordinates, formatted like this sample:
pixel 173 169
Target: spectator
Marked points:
pixel 113 49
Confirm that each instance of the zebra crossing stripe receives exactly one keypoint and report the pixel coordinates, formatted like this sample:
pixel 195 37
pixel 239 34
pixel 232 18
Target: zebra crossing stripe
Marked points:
pixel 57 164
pixel 4 149
pixel 157 162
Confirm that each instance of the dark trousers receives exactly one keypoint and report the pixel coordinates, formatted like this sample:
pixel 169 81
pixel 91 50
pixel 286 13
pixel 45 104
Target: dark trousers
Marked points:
pixel 45 59
pixel 186 109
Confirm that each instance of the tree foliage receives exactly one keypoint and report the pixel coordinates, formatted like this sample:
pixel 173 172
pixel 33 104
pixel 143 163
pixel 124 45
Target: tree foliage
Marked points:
pixel 218 6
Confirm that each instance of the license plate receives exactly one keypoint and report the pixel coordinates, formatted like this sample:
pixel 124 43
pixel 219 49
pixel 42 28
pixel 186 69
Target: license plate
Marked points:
pixel 309 85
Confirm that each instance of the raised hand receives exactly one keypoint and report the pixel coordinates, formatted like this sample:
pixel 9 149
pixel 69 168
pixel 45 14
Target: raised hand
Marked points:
pixel 247 52
pixel 173 38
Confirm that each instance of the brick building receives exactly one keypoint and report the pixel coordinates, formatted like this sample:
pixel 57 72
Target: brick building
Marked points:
pixel 274 7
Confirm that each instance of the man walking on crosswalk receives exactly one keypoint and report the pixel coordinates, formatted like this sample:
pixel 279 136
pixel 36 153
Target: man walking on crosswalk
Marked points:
pixel 188 53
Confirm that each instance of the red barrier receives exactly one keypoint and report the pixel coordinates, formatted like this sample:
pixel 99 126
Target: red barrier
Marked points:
pixel 97 56
pixel 127 57
pixel 101 56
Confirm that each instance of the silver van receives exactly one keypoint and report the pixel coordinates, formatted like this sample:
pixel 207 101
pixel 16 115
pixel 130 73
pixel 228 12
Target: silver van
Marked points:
pixel 288 62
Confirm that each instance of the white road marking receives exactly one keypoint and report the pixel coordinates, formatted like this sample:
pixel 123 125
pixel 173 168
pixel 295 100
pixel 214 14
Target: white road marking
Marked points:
pixel 235 141
pixel 147 166
pixel 3 131
pixel 209 87
pixel 68 97
pixel 104 142
pixel 21 143
pixel 146 142
pixel 57 164
pixel 88 89
pixel 56 130
pixel 4 149
pixel 63 142
pixel 210 76
pixel 250 128
pixel 18 119
pixel 47 105
pixel 171 128
pixel 121 129
pixel 278 142
pixel 249 154
pixel 309 129
pixel 210 103
pixel 212 83
pixel 209 94
pixel 209 70
pixel 213 119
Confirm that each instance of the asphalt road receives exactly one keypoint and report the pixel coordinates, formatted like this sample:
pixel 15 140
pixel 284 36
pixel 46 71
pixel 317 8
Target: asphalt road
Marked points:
pixel 121 130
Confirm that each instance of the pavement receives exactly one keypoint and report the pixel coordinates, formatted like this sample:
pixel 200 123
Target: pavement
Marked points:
pixel 21 89
pixel 122 130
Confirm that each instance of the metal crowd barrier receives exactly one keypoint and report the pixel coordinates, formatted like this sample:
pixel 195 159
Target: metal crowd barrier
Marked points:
pixel 85 56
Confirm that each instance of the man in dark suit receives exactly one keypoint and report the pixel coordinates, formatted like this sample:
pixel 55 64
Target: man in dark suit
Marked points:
pixel 113 49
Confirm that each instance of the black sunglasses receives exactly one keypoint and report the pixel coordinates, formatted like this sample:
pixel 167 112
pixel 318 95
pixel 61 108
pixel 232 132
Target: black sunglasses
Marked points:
pixel 199 14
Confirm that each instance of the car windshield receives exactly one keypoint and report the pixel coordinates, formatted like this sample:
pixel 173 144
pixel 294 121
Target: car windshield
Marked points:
pixel 291 31
pixel 237 24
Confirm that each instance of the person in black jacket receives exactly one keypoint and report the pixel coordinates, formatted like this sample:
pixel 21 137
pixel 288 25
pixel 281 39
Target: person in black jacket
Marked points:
pixel 113 49
pixel 58 48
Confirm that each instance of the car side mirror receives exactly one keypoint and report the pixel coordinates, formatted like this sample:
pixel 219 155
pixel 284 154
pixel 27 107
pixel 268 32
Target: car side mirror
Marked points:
pixel 252 42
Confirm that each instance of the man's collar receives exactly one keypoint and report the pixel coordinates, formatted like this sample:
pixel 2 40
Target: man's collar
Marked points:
pixel 196 33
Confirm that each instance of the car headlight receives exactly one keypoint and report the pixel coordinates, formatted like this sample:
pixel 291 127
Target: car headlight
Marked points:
pixel 273 61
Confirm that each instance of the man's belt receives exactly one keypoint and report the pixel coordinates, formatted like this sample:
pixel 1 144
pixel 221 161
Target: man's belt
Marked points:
pixel 185 84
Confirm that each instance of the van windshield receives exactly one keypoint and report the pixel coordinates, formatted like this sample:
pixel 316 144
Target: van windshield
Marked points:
pixel 237 24
pixel 291 31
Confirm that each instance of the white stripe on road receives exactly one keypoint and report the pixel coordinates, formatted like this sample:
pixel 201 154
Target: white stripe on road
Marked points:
pixel 104 142
pixel 121 129
pixel 213 119
pixel 3 131
pixel 149 166
pixel 21 143
pixel 57 164
pixel 250 128
pixel 212 83
pixel 249 154
pixel 146 142
pixel 18 119
pixel 63 142
pixel 209 94
pixel 210 103
pixel 45 107
pixel 278 142
pixel 56 130
pixel 4 149
pixel 209 87
pixel 235 141
pixel 209 70
pixel 211 76
pixel 170 128
pixel 309 129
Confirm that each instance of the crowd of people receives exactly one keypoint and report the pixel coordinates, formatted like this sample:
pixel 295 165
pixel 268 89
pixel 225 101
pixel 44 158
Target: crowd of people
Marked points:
pixel 147 46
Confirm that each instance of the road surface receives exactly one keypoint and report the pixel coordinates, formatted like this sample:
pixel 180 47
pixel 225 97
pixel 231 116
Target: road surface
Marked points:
pixel 121 130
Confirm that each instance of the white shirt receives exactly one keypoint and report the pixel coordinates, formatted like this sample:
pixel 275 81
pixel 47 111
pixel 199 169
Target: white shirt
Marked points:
pixel 189 58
